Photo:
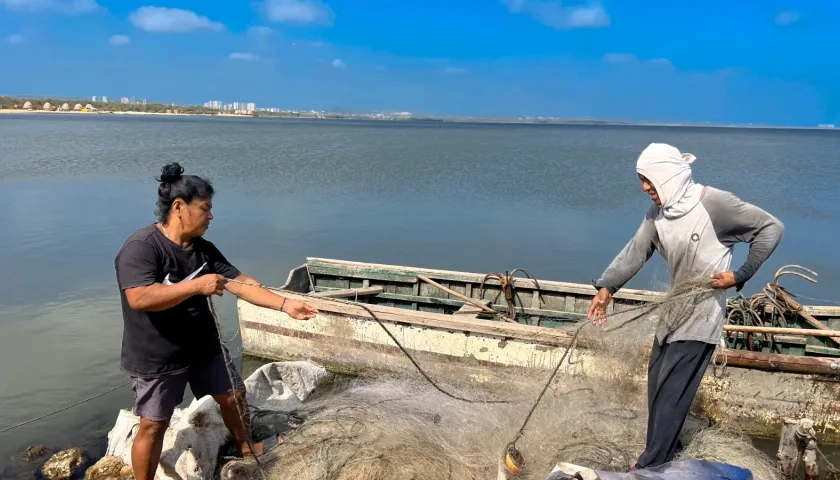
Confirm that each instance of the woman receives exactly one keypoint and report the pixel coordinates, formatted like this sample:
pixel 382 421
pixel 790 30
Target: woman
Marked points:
pixel 694 227
pixel 165 272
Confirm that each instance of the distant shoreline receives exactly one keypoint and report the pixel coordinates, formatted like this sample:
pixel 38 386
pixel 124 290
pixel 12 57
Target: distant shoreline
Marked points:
pixel 108 112
pixel 500 121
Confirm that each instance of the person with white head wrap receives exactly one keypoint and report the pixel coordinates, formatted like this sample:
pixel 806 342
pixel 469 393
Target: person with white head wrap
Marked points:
pixel 694 227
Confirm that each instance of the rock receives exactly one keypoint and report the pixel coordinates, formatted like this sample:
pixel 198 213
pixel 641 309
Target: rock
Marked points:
pixel 107 468
pixel 127 473
pixel 64 464
pixel 35 452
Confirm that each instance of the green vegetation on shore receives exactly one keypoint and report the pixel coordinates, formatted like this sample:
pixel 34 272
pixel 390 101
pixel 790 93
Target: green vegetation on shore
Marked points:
pixel 16 103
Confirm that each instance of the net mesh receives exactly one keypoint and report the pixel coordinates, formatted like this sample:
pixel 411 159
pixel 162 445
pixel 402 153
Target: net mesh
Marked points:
pixel 594 414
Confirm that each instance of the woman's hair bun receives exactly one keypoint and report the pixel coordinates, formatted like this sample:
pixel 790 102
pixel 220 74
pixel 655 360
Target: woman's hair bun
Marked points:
pixel 171 173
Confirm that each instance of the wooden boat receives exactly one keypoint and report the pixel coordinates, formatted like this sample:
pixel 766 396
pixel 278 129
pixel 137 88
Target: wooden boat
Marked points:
pixel 782 360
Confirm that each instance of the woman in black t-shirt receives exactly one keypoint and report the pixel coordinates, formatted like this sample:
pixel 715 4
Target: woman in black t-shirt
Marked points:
pixel 165 272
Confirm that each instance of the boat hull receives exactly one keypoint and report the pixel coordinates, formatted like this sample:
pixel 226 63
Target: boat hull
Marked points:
pixel 754 391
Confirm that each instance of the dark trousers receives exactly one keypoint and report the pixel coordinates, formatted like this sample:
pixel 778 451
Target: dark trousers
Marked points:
pixel 674 373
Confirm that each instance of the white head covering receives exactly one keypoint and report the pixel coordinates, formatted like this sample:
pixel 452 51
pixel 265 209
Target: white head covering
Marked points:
pixel 670 173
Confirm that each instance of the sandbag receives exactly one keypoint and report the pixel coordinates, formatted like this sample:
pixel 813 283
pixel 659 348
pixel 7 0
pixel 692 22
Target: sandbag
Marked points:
pixel 195 434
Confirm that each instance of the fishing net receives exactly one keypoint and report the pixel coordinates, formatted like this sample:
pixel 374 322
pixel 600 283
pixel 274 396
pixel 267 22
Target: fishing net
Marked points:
pixel 401 427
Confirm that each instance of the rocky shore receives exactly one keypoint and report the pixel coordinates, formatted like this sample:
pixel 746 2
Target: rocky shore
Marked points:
pixel 72 464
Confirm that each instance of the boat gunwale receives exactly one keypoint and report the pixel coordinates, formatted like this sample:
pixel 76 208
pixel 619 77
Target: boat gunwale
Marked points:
pixel 633 295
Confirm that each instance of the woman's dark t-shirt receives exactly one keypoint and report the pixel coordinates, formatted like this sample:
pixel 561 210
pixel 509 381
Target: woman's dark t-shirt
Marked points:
pixel 171 340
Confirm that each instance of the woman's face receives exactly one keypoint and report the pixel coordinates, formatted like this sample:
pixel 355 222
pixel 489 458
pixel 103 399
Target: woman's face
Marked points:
pixel 195 216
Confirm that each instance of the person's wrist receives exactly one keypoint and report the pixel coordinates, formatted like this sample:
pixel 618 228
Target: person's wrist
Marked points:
pixel 194 286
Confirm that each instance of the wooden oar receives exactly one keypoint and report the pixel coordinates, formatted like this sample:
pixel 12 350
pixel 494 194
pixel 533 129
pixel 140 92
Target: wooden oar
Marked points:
pixel 805 332
pixel 464 298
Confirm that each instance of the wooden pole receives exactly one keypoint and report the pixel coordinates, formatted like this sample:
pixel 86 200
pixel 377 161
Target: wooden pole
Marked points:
pixel 788 452
pixel 462 297
pixel 796 307
pixel 805 332
pixel 778 362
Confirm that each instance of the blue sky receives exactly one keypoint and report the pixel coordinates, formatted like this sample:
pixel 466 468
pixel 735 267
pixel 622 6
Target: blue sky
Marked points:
pixel 769 61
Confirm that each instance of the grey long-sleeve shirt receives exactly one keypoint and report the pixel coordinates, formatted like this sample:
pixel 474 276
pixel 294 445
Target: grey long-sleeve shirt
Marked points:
pixel 699 243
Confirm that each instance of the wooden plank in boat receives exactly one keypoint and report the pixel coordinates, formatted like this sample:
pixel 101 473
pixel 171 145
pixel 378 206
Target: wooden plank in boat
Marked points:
pixel 469 310
pixel 821 350
pixel 457 303
pixel 349 292
pixel 409 274
pixel 544 335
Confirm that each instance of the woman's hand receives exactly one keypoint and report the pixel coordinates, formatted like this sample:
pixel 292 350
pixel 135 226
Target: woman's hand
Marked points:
pixel 298 310
pixel 598 307
pixel 210 284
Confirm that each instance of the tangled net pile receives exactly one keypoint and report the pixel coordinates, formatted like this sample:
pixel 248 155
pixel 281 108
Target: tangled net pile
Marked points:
pixel 390 428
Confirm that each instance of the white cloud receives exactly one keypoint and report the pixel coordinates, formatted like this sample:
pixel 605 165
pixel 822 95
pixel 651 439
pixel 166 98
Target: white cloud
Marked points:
pixel 629 58
pixel 661 61
pixel 163 19
pixel 244 56
pixel 15 39
pixel 339 63
pixel 553 14
pixel 786 18
pixel 68 7
pixel 299 11
pixel 455 70
pixel 118 40
pixel 260 30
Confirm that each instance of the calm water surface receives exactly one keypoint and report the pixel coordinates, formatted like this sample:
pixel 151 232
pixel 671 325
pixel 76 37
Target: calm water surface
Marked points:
pixel 558 201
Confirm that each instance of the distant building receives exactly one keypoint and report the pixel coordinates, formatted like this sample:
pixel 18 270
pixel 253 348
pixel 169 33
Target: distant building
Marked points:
pixel 27 105
pixel 104 99
pixel 124 100
pixel 77 107
pixel 65 107
pixel 47 106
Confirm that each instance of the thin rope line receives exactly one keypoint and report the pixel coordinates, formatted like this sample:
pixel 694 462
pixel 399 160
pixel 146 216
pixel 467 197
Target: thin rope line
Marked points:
pixel 648 307
pixel 6 429
pixel 233 385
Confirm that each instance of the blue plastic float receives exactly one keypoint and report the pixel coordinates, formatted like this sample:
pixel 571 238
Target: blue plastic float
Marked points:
pixel 682 470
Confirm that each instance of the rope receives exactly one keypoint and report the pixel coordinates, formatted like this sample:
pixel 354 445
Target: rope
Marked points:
pixel 646 307
pixel 831 468
pixel 68 407
pixel 94 397
pixel 521 431
pixel 229 367
pixel 393 338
